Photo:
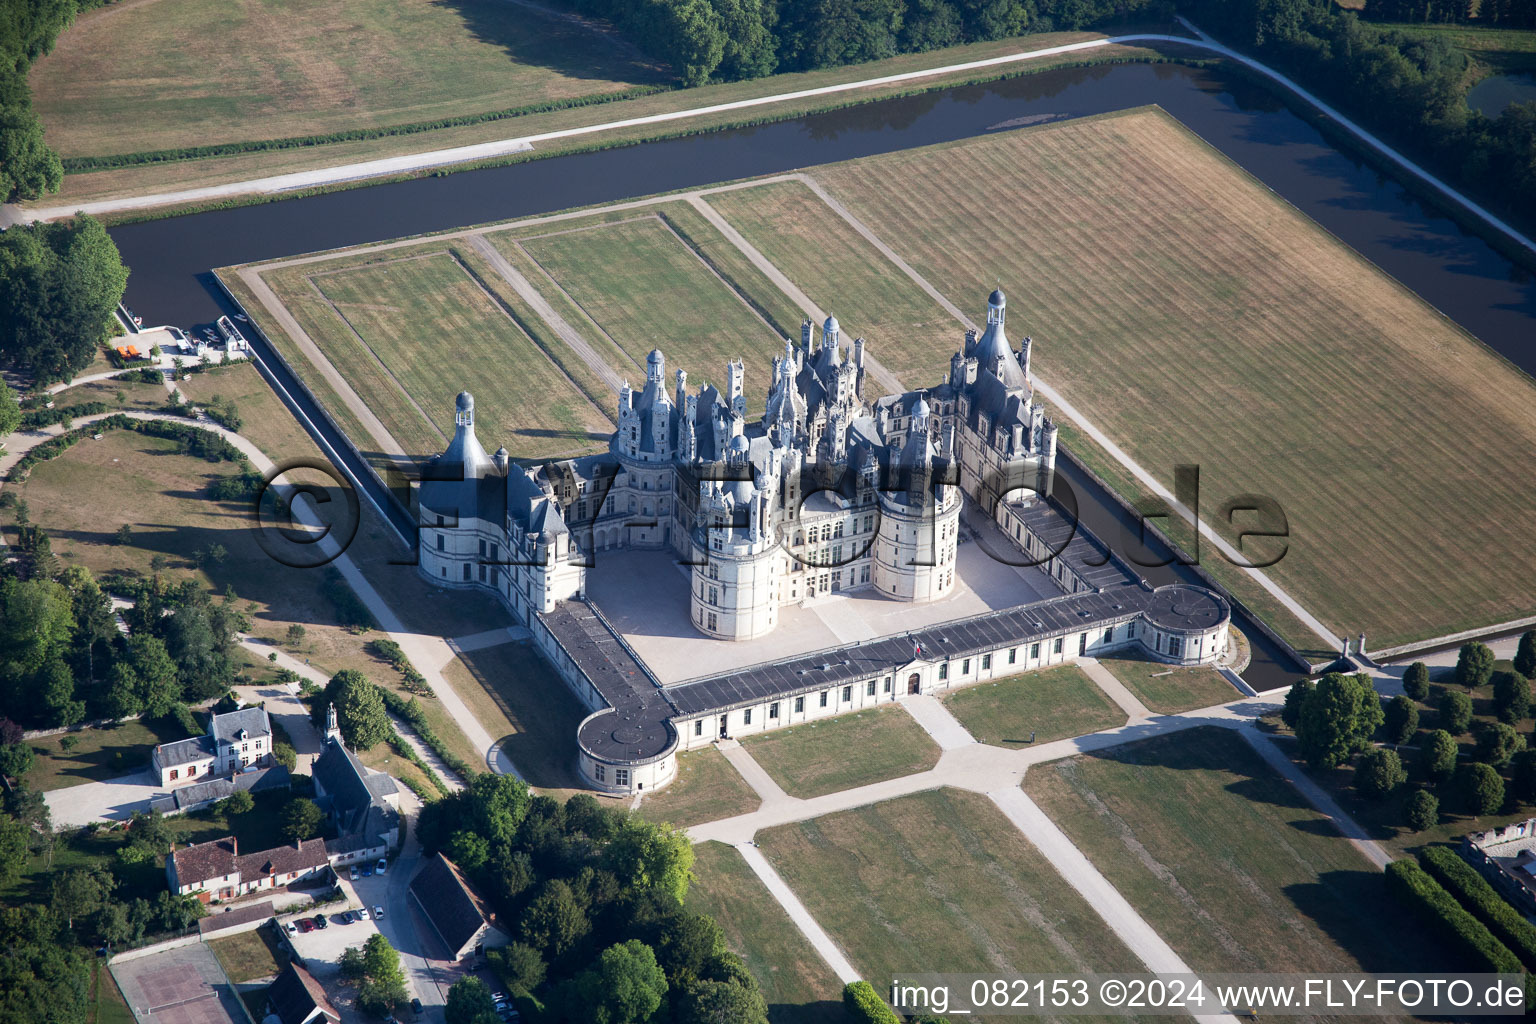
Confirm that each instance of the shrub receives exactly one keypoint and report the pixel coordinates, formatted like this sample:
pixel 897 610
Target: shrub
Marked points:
pixel 1469 887
pixel 1455 711
pixel 1423 810
pixel 1511 696
pixel 1474 664
pixel 865 1006
pixel 1428 898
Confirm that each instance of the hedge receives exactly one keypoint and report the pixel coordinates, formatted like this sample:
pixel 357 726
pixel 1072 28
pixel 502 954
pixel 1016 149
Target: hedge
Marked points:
pixel 143 375
pixel 399 746
pixel 46 417
pixel 1475 893
pixel 410 711
pixel 865 1006
pixel 1414 886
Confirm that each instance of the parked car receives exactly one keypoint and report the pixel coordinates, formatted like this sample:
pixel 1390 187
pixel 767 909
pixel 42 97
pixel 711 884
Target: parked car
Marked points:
pixel 293 929
pixel 321 922
pixel 353 872
pixel 362 913
pixel 367 870
pixel 415 1005
pixel 382 866
pixel 378 911
pixel 306 925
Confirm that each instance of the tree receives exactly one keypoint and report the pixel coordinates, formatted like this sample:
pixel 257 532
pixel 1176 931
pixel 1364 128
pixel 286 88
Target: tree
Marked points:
pixel 79 892
pixel 1511 696
pixel 59 285
pixel 1295 700
pixel 200 638
pixel 240 802
pixel 10 410
pixel 16 759
pixel 1497 743
pixel 1402 719
pixel 720 1002
pixel 644 855
pixel 1455 711
pixel 1474 664
pixel 112 924
pixel 36 622
pixel 1480 788
pixel 1525 654
pixel 359 709
pixel 383 986
pixel 1522 775
pixel 123 536
pixel 519 965
pixel 554 921
pixel 626 986
pixel 302 819
pixel 1437 756
pixel 470 1002
pixel 13 849
pixel 295 635
pixel 1338 719
pixel 1379 773
pixel 1423 810
pixel 1416 681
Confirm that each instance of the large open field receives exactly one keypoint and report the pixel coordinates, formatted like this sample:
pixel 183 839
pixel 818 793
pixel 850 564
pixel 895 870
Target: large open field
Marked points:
pixel 1227 862
pixel 797 983
pixel 1196 318
pixel 163 74
pixel 939 881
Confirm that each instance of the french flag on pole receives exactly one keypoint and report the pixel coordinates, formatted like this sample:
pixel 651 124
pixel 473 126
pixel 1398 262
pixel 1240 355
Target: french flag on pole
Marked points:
pixel 917 649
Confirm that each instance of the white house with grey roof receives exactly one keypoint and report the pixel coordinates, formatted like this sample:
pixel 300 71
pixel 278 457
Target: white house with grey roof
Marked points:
pixel 235 741
pixel 826 494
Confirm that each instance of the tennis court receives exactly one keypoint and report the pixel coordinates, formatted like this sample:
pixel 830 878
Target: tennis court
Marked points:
pixel 179 986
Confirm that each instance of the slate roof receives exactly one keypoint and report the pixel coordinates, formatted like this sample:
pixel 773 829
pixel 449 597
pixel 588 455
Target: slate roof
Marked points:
pixel 296 994
pixel 351 790
pixel 235 916
pixel 179 752
pixel 226 727
pixel 457 911
pixel 197 864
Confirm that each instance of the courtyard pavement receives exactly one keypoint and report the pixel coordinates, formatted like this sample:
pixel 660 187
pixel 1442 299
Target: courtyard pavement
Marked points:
pixel 112 800
pixel 645 595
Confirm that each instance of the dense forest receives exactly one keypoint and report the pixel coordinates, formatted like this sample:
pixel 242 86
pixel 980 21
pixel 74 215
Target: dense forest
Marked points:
pixel 1501 13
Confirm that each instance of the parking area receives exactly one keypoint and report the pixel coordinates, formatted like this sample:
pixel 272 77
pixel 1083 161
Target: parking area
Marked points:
pixel 321 948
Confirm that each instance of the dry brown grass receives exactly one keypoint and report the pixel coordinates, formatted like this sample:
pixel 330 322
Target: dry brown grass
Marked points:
pixel 1195 317
pixel 707 788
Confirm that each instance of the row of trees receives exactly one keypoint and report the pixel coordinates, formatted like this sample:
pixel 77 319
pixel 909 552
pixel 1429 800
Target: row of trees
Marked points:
pixel 59 283
pixel 595 897
pixel 1409 87
pixel 1508 13
pixel 725 40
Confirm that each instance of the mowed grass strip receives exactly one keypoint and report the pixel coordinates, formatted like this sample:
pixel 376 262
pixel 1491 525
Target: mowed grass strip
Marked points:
pixel 199 73
pixel 1197 318
pixel 1049 704
pixel 844 752
pixel 646 289
pixel 1227 862
pixel 1171 689
pixel 707 788
pixel 939 881
pixel 796 982
pixel 846 276
pixel 435 332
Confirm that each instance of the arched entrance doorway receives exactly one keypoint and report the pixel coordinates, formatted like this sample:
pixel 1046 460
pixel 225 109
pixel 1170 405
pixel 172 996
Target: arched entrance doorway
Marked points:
pixel 914 683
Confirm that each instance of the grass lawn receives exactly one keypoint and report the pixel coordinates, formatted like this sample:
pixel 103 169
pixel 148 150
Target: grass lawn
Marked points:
pixel 1052 704
pixel 97 754
pixel 707 788
pixel 799 986
pixel 1227 862
pixel 1169 294
pixel 1169 689
pixel 844 752
pixel 939 881
pixel 110 1007
pixel 1494 51
pixel 201 73
pixel 643 287
pixel 249 955
pixel 848 277
pixel 369 320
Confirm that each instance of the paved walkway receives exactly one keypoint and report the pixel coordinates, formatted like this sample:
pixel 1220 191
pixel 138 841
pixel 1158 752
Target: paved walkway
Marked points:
pixel 748 768
pixel 937 722
pixel 489 638
pixel 819 939
pixel 1117 691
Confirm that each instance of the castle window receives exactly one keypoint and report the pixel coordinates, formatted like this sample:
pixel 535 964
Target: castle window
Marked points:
pixel 482 574
pixel 1034 651
pixel 869 523
pixel 714 595
pixel 621 776
pixel 965 667
pixel 1175 647
pixel 1056 645
pixel 847 694
pixel 1130 630
pixel 864 574
pixel 773 710
pixel 698 727
pixel 174 773
pixel 443 571
pixel 986 661
pixel 1109 635
pixel 1013 655
pixel 799 705
pixel 746 717
pixel 837 530
pixel 482 549
pixel 466 571
pixel 869 688
pixel 944 671
pixel 823 702
pixel 711 618
pixel 439 542
pixel 1082 644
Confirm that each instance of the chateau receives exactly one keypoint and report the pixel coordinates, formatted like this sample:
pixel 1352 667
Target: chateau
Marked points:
pixel 827 493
